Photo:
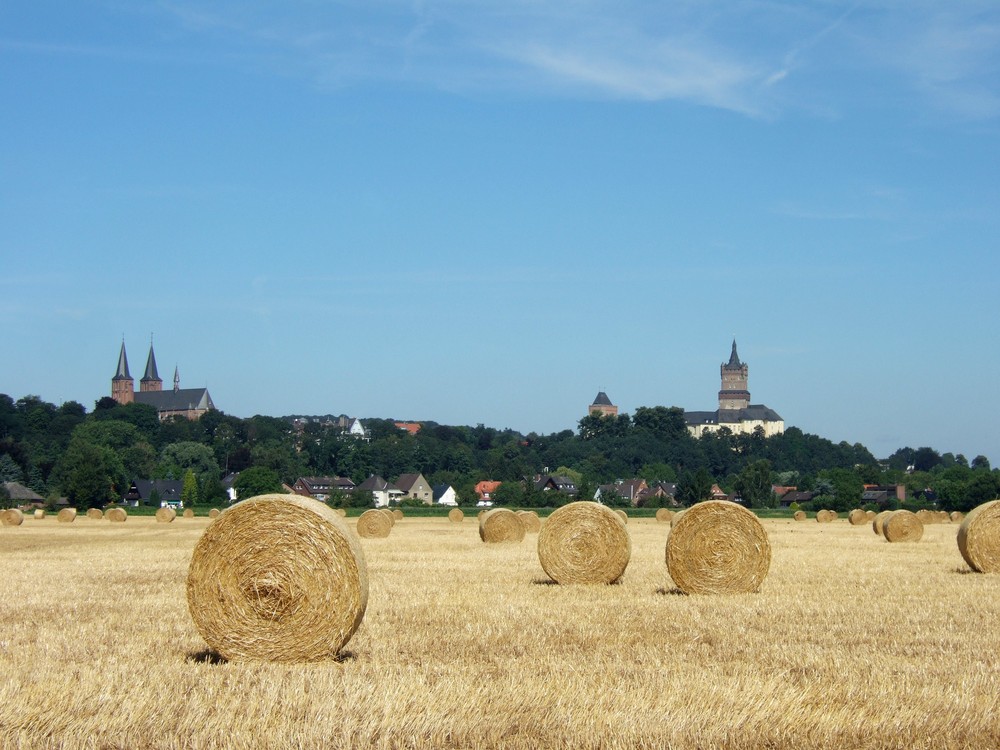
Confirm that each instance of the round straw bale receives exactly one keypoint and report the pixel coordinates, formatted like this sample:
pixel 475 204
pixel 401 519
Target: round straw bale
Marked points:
pixel 455 515
pixel 799 515
pixel 374 524
pixel 943 517
pixel 165 514
pixel 622 515
pixel 500 525
pixel 857 517
pixel 870 515
pixel 902 526
pixel 39 514
pixel 341 512
pixel 388 514
pixel 957 516
pixel 584 542
pixel 663 515
pixel 824 516
pixel 12 517
pixel 95 513
pixel 879 520
pixel 676 517
pixel 188 513
pixel 397 514
pixel 214 513
pixel 66 515
pixel 116 515
pixel 277 578
pixel 718 547
pixel 979 537
pixel 924 516
pixel 530 520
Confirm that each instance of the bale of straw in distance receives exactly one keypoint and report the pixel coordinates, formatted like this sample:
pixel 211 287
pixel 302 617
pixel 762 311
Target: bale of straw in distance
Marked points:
pixel 500 525
pixel 718 547
pixel 277 578
pixel 879 520
pixel 214 513
pixel 388 514
pixel 622 515
pixel 870 515
pixel 12 517
pixel 584 542
pixel 902 526
pixel 924 516
pixel 116 515
pixel 455 515
pixel 857 517
pixel 663 515
pixel 676 517
pixel 39 514
pixel 957 517
pixel 397 514
pixel 188 513
pixel 165 514
pixel 979 537
pixel 532 523
pixel 799 515
pixel 824 516
pixel 374 524
pixel 95 513
pixel 66 515
pixel 341 512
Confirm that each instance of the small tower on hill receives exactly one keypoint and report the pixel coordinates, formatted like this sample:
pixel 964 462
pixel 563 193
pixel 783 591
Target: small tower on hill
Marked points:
pixel 151 379
pixel 602 405
pixel 735 375
pixel 122 385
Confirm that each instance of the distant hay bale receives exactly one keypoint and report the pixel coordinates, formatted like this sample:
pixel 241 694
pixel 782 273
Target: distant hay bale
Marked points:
pixel 455 515
pixel 925 516
pixel 676 517
pixel 500 525
pixel 584 542
pixel 388 514
pixel 374 524
pixel 165 514
pixel 663 515
pixel 622 515
pixel 188 513
pixel 39 514
pixel 95 513
pixel 799 515
pixel 397 514
pixel 879 520
pixel 11 517
pixel 825 516
pixel 870 515
pixel 979 537
pixel 957 517
pixel 902 526
pixel 214 513
pixel 116 515
pixel 943 517
pixel 529 518
pixel 718 547
pixel 341 512
pixel 857 517
pixel 66 515
pixel 277 578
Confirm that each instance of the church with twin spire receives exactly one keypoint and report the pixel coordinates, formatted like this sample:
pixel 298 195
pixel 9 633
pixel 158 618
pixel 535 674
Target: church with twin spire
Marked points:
pixel 190 403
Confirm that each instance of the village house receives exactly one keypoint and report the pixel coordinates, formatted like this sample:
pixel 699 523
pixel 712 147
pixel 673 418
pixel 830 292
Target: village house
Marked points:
pixel 414 486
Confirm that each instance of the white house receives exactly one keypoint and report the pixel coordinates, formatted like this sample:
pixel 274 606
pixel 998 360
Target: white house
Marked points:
pixel 444 494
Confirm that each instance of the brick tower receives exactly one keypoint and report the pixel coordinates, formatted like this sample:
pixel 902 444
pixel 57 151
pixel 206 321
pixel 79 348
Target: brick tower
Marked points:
pixel 122 385
pixel 734 393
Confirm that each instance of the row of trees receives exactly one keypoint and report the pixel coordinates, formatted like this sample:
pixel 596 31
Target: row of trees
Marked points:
pixel 92 457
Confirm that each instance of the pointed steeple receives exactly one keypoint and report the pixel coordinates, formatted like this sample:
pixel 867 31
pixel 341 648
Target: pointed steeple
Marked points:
pixel 151 380
pixel 122 372
pixel 734 359
pixel 177 379
pixel 122 383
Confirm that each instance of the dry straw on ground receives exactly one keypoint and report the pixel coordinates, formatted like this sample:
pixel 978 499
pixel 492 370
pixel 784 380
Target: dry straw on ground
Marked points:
pixel 857 517
pixel 530 520
pixel 500 525
pixel 165 514
pixel 879 520
pixel 902 526
pixel 663 515
pixel 277 578
pixel 374 524
pixel 116 515
pixel 584 542
pixel 979 538
pixel 66 515
pixel 12 517
pixel 95 513
pixel 799 515
pixel 455 515
pixel 718 547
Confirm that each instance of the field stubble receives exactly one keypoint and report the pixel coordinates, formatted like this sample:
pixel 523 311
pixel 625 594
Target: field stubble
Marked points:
pixel 851 642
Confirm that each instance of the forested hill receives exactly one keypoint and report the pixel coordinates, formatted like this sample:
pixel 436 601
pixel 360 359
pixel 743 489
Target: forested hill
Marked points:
pixel 92 457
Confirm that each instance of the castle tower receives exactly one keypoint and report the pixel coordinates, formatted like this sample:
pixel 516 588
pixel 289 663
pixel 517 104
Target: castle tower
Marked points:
pixel 151 380
pixel 122 385
pixel 602 405
pixel 734 393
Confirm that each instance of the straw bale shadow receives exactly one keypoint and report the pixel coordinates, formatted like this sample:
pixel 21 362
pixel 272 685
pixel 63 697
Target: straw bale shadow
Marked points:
pixel 544 582
pixel 345 656
pixel 965 571
pixel 673 591
pixel 207 656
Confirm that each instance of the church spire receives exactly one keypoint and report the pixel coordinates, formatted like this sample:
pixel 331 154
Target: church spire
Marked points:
pixel 122 383
pixel 151 379
pixel 122 372
pixel 734 359
pixel 177 379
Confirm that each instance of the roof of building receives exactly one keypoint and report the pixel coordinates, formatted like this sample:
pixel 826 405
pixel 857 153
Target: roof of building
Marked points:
pixel 168 489
pixel 122 372
pixel 753 413
pixel 602 400
pixel 411 427
pixel 405 482
pixel 375 483
pixel 331 483
pixel 179 399
pixel 734 360
pixel 151 373
pixel 17 491
pixel 439 491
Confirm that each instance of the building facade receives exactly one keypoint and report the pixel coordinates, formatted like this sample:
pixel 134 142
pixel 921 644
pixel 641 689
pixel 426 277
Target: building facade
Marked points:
pixel 190 403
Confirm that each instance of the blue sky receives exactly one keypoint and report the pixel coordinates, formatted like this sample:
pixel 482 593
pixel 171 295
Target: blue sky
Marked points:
pixel 488 212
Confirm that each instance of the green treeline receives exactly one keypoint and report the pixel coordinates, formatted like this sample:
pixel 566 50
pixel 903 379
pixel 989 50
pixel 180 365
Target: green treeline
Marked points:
pixel 91 458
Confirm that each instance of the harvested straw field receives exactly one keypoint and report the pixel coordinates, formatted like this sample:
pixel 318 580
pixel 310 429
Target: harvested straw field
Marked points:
pixel 468 645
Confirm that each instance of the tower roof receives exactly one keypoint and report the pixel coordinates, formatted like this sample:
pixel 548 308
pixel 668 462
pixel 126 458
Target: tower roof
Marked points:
pixel 122 372
pixel 602 400
pixel 151 373
pixel 734 359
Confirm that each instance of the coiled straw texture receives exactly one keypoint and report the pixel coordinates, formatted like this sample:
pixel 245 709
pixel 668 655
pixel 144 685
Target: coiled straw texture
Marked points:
pixel 277 578
pixel 116 515
pixel 165 515
pixel 374 524
pixel 530 520
pixel 95 514
pixel 455 515
pixel 663 515
pixel 979 538
pixel 718 547
pixel 902 526
pixel 11 517
pixel 500 525
pixel 584 542
pixel 66 515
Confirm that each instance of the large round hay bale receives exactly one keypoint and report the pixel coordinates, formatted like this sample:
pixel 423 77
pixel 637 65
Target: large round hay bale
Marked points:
pixel 857 517
pixel 622 515
pixel 374 524
pixel 116 515
pixel 799 515
pixel 12 517
pixel 718 547
pixel 165 515
pixel 95 514
pixel 957 517
pixel 214 513
pixel 500 525
pixel 979 537
pixel 277 578
pixel 397 514
pixel 66 515
pixel 529 518
pixel 879 520
pixel 188 513
pixel 663 515
pixel 455 515
pixel 825 516
pixel 39 514
pixel 902 526
pixel 584 542
pixel 870 515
